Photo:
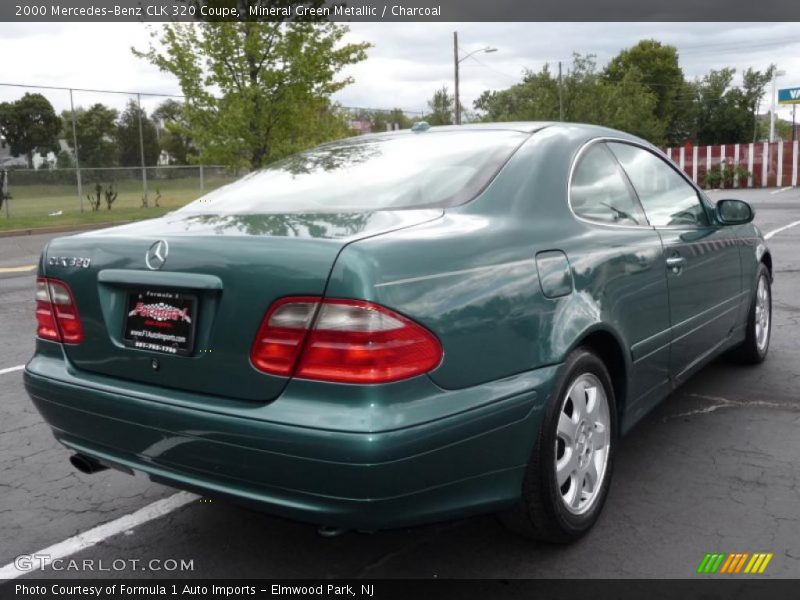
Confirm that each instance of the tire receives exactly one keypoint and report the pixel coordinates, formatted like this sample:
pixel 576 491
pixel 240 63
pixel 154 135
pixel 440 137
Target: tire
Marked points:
pixel 547 511
pixel 755 347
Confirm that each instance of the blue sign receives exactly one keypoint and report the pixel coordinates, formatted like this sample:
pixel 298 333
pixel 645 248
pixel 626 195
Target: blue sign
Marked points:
pixel 789 96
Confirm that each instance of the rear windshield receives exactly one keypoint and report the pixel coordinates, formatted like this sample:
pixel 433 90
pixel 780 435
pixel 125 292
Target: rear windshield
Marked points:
pixel 433 169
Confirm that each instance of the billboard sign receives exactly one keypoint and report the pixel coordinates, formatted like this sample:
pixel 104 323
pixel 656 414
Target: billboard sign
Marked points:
pixel 789 96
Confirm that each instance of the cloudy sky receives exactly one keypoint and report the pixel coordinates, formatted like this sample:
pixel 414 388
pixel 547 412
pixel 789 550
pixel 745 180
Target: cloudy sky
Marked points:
pixel 407 63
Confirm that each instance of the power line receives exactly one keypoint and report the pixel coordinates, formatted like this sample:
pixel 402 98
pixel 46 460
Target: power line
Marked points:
pixel 483 64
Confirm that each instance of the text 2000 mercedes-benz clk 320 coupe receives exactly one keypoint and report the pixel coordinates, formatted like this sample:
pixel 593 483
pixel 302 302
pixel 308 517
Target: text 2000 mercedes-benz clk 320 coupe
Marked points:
pixel 401 328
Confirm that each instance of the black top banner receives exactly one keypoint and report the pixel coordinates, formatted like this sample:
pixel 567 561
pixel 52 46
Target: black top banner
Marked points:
pixel 398 10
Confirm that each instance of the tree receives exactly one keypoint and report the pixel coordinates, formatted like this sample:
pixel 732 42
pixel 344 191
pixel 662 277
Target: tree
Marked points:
pixel 722 111
pixel 65 160
pixel 257 91
pixel 656 65
pixel 442 106
pixel 128 141
pixel 30 125
pixel 381 119
pixel 754 83
pixel 174 131
pixel 587 97
pixel 534 99
pixel 96 130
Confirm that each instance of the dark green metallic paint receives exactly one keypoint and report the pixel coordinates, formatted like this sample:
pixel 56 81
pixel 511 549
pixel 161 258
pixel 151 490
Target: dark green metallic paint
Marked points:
pixel 487 278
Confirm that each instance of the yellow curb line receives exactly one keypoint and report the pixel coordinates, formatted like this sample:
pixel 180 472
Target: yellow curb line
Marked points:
pixel 17 269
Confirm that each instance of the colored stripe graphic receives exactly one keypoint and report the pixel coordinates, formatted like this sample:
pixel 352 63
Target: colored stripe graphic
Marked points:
pixel 755 562
pixel 718 563
pixel 701 568
pixel 764 564
pixel 741 562
pixel 733 563
pixel 727 564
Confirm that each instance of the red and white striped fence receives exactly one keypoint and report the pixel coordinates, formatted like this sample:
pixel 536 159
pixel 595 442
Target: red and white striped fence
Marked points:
pixel 769 164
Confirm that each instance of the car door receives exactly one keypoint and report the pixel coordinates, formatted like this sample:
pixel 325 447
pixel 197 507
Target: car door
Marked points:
pixel 701 258
pixel 619 261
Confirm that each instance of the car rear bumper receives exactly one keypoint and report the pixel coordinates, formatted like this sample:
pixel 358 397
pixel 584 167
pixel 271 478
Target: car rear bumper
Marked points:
pixel 439 468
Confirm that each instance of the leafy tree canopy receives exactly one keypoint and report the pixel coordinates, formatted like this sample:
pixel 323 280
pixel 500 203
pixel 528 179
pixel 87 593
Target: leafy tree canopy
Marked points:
pixel 586 95
pixel 96 129
pixel 643 91
pixel 256 92
pixel 441 107
pixel 128 139
pixel 30 125
pixel 175 137
pixel 657 66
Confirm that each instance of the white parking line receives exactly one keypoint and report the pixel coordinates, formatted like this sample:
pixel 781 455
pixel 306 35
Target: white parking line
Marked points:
pixel 786 189
pixel 102 532
pixel 11 369
pixel 779 229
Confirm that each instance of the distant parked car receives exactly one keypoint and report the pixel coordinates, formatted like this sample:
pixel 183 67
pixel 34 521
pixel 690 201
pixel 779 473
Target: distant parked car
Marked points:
pixel 401 328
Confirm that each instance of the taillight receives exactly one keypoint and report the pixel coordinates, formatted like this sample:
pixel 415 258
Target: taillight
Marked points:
pixel 56 314
pixel 281 335
pixel 344 341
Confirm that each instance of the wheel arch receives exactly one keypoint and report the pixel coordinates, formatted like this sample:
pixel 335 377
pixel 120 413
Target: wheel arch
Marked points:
pixel 610 349
pixel 766 258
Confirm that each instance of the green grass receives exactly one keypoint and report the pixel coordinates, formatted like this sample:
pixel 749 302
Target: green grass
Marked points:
pixel 31 205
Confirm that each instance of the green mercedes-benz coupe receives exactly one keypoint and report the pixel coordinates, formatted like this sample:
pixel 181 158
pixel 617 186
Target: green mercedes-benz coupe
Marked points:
pixel 401 328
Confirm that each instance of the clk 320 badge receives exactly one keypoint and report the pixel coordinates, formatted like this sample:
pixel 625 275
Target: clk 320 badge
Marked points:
pixel 69 261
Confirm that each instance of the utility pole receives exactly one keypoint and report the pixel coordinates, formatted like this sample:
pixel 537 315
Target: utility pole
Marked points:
pixel 75 146
pixel 755 121
pixel 455 65
pixel 141 148
pixel 560 95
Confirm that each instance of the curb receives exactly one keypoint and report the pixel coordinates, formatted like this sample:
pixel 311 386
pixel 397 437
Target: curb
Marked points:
pixel 59 229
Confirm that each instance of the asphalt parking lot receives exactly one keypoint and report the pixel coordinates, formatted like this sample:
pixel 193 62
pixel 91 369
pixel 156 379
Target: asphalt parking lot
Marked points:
pixel 716 468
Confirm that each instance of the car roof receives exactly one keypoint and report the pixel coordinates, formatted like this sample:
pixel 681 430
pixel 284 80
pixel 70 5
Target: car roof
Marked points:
pixel 578 133
pixel 578 129
pixel 520 126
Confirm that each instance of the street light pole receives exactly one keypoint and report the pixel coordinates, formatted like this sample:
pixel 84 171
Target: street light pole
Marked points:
pixel 456 62
pixel 775 76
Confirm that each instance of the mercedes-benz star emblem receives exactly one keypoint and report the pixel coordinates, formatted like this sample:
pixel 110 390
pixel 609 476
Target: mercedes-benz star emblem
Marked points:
pixel 157 255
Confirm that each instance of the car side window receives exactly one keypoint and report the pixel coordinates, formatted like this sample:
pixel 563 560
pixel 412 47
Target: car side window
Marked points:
pixel 599 191
pixel 668 200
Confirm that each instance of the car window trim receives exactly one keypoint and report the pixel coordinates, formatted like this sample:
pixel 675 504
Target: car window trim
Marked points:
pixel 576 161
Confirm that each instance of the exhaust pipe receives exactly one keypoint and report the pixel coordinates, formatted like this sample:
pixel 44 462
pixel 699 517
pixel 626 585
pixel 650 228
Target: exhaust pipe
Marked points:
pixel 85 464
pixel 329 531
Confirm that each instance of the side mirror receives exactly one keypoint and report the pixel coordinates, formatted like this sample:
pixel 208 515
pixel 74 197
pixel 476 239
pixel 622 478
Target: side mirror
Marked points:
pixel 734 212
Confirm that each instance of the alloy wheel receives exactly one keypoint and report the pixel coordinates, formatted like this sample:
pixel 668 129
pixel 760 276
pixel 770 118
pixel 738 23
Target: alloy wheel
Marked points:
pixel 763 318
pixel 583 439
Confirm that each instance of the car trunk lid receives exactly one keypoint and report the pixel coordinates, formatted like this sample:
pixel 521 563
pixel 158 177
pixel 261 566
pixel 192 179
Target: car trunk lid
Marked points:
pixel 219 275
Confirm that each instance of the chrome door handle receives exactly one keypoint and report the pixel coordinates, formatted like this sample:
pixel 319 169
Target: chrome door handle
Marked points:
pixel 675 263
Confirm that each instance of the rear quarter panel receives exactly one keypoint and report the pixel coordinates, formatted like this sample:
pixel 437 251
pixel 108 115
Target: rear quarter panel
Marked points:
pixel 471 277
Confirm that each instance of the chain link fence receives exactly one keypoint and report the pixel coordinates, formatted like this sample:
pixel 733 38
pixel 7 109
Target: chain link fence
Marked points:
pixel 54 193
pixel 78 177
